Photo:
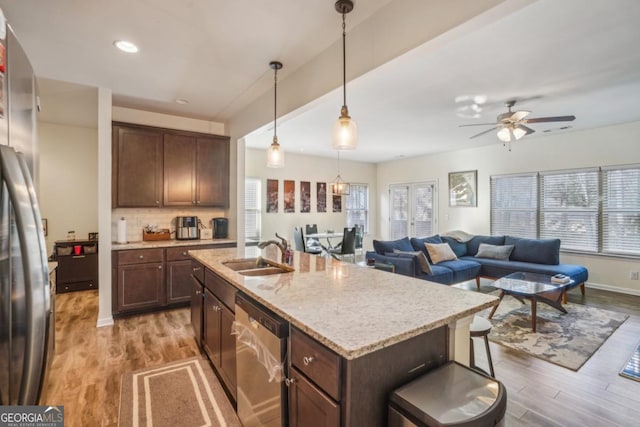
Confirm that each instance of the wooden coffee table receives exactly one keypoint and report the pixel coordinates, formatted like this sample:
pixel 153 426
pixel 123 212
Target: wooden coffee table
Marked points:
pixel 534 287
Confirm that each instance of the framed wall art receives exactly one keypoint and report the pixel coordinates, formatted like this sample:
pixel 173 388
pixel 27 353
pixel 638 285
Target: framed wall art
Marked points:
pixel 272 196
pixel 321 197
pixel 289 196
pixel 337 203
pixel 305 196
pixel 463 189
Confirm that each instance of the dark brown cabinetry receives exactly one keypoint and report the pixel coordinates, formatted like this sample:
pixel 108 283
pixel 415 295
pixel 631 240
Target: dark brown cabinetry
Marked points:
pixel 140 280
pixel 147 279
pixel 77 265
pixel 218 315
pixel 161 167
pixel 137 167
pixel 308 405
pixel 197 300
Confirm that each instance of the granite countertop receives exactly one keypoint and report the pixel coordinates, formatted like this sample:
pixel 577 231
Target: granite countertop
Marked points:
pixel 167 243
pixel 351 309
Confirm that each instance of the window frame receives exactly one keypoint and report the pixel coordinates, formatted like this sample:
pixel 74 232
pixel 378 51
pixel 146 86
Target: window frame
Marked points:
pixel 355 189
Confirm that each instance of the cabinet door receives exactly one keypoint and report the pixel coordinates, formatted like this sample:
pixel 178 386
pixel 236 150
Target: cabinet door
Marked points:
pixel 308 406
pixel 179 170
pixel 228 350
pixel 211 312
pixel 197 299
pixel 137 167
pixel 212 178
pixel 140 286
pixel 178 281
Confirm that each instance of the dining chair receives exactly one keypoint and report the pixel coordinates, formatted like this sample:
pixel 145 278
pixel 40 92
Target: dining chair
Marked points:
pixel 300 243
pixel 359 236
pixel 347 246
pixel 312 242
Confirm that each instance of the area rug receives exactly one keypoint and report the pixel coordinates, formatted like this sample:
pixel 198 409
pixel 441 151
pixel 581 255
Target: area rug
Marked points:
pixel 568 340
pixel 632 368
pixel 183 393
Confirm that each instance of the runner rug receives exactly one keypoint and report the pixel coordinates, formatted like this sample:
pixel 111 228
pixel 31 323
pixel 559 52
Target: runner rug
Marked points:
pixel 183 393
pixel 568 340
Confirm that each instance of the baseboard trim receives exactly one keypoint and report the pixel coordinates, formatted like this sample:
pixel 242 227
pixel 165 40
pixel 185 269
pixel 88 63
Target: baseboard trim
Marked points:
pixel 106 321
pixel 613 288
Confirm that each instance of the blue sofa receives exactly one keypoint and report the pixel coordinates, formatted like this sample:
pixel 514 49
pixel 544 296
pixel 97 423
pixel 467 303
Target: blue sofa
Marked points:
pixel 530 255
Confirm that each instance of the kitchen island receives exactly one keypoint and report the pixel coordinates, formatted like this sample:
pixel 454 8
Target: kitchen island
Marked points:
pixel 376 323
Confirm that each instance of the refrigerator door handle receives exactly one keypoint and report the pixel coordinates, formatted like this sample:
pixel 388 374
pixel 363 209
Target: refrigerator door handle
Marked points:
pixel 35 267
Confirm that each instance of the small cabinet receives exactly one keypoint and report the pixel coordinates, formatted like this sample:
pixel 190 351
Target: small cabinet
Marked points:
pixel 137 167
pixel 197 300
pixel 218 315
pixel 309 406
pixel 77 265
pixel 179 269
pixel 196 171
pixel 140 280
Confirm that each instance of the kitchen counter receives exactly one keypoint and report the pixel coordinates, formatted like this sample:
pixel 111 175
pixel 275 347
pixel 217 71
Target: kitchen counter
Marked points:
pixel 168 243
pixel 353 310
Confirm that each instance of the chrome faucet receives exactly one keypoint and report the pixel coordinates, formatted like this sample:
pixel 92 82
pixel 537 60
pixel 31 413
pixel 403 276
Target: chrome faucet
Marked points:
pixel 283 245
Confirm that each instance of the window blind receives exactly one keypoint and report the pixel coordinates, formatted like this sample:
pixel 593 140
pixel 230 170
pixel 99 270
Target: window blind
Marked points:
pixel 514 204
pixel 252 212
pixel 398 211
pixel 358 206
pixel 569 208
pixel 621 210
pixel 423 223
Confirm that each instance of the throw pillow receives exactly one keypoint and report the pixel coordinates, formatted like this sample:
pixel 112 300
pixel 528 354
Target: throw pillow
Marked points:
pixel 486 250
pixel 439 252
pixel 422 260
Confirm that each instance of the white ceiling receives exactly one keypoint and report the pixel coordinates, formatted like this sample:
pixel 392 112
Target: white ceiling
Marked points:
pixel 556 57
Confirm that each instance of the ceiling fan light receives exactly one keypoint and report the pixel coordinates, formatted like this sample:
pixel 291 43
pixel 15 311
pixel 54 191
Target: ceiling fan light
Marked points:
pixel 504 135
pixel 345 134
pixel 275 155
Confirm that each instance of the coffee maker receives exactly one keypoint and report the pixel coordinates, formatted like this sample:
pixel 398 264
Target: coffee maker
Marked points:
pixel 187 228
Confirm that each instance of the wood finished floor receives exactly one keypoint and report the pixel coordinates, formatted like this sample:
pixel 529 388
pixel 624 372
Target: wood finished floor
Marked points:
pixel 89 362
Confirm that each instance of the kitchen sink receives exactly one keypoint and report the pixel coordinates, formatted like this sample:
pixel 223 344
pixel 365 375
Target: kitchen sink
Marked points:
pixel 256 266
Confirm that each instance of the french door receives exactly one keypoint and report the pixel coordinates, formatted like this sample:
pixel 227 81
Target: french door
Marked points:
pixel 412 210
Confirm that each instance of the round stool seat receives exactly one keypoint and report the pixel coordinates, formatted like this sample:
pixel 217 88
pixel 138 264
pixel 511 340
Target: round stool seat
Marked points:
pixel 479 327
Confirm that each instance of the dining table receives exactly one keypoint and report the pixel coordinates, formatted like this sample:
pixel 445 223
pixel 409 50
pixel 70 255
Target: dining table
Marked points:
pixel 328 236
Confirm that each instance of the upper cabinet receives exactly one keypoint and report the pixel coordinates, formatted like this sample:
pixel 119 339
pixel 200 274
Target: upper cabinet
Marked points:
pixel 191 169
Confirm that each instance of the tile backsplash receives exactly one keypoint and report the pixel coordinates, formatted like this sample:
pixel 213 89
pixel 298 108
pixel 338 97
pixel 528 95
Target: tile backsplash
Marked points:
pixel 138 218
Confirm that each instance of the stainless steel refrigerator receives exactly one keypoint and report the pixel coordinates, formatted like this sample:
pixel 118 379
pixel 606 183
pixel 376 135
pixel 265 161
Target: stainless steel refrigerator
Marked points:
pixel 26 322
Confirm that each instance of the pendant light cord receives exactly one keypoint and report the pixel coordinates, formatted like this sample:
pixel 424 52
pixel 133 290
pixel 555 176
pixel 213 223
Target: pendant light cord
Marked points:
pixel 344 61
pixel 275 102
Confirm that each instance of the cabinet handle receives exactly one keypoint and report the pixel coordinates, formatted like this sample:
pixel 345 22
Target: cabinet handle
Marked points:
pixel 184 254
pixel 157 202
pixel 196 269
pixel 307 360
pixel 141 256
pixel 289 381
pixel 198 292
pixel 193 202
pixel 159 267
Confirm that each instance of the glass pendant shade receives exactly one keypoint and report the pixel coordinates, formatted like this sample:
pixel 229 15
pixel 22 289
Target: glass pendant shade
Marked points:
pixel 504 135
pixel 510 133
pixel 345 134
pixel 519 133
pixel 275 155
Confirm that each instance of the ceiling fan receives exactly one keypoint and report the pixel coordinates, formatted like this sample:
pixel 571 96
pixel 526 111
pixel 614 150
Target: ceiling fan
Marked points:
pixel 511 125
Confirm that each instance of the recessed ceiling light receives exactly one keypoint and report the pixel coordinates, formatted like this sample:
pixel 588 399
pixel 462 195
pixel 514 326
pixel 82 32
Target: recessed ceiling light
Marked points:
pixel 182 101
pixel 125 46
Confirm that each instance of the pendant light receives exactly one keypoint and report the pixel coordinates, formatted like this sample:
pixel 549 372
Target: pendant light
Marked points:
pixel 338 186
pixel 275 153
pixel 345 131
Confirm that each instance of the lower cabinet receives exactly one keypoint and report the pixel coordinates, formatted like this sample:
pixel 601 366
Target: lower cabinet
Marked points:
pixel 197 301
pixel 217 319
pixel 308 405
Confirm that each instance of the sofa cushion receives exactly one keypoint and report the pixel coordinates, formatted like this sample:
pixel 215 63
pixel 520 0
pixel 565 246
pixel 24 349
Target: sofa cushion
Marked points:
pixel 403 265
pixel 418 243
pixel 440 274
pixel 384 246
pixel 493 251
pixel 474 243
pixel 421 259
pixel 537 251
pixel 458 248
pixel 462 269
pixel 499 268
pixel 439 252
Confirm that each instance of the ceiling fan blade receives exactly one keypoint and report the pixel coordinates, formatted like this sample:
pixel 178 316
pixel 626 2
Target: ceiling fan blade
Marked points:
pixel 478 124
pixel 550 119
pixel 482 133
pixel 519 115
pixel 526 129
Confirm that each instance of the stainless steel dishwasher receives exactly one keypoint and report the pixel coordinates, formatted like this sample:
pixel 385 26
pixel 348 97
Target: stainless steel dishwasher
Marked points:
pixel 260 356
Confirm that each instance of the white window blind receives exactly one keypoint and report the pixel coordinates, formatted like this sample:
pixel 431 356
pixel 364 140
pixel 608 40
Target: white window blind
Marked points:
pixel 358 206
pixel 252 212
pixel 423 219
pixel 514 204
pixel 621 210
pixel 398 211
pixel 569 208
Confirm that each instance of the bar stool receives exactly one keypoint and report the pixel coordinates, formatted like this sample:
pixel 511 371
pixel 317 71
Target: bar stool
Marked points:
pixel 480 327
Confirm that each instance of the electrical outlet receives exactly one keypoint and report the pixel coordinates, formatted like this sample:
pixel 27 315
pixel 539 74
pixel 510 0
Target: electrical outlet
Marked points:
pixel 633 275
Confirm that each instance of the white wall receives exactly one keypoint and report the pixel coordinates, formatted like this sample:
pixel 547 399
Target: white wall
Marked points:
pixel 68 180
pixel 612 145
pixel 299 167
